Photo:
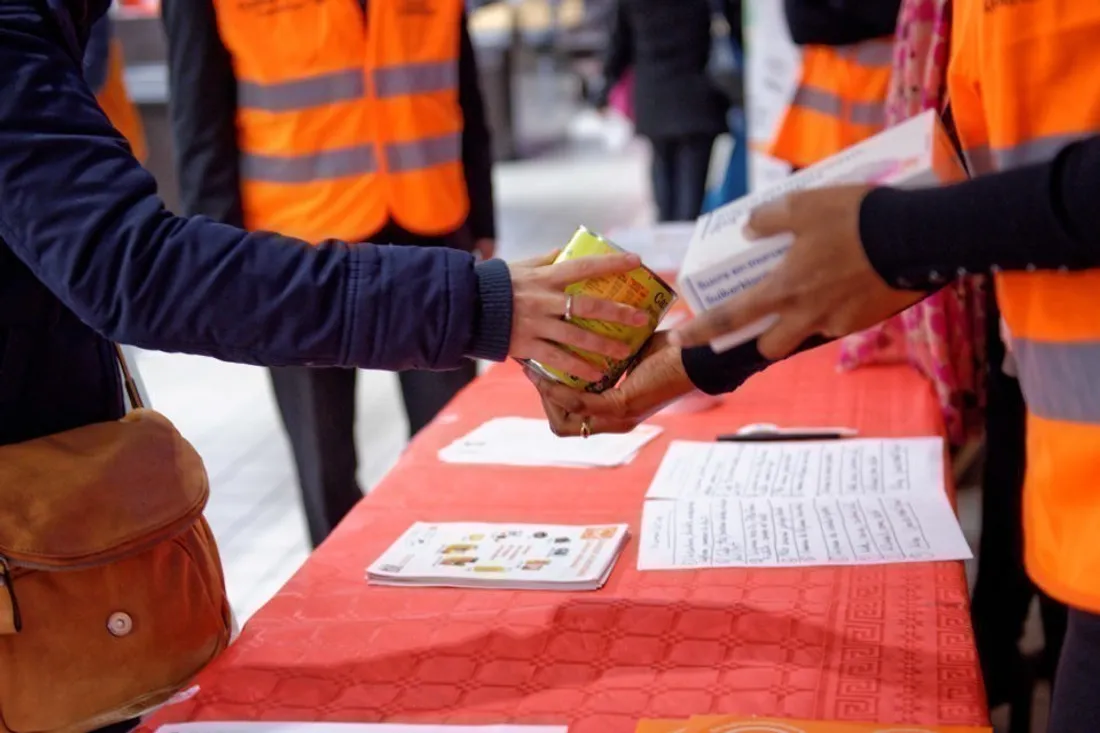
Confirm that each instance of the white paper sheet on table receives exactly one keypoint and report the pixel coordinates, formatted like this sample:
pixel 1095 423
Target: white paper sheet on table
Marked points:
pixel 304 727
pixel 798 504
pixel 801 469
pixel 712 533
pixel 516 441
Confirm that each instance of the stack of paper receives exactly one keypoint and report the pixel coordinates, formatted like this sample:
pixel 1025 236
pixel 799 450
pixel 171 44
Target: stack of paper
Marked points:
pixel 512 556
pixel 518 441
pixel 833 502
pixel 746 724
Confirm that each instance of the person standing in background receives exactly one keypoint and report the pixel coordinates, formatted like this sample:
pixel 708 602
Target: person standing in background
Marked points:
pixel 356 120
pixel 103 70
pixel 676 106
pixel 847 55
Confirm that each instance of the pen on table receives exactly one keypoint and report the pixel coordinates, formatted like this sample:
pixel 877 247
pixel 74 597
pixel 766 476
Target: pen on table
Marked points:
pixel 765 432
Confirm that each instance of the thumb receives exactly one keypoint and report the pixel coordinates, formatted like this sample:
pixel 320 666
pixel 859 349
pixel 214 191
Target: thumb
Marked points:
pixel 540 261
pixel 774 217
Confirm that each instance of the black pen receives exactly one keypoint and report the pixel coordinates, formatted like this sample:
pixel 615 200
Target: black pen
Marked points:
pixel 778 437
pixel 766 432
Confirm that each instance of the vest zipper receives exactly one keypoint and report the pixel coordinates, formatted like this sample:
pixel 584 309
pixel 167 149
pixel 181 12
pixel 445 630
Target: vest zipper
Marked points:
pixel 8 582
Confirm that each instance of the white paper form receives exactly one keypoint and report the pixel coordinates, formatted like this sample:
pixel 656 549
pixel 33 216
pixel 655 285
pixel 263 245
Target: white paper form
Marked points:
pixel 801 469
pixel 710 533
pixel 304 727
pixel 517 441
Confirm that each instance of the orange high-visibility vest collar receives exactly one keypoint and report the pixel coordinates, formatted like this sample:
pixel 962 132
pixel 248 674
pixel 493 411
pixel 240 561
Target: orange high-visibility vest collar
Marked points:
pixel 348 120
pixel 839 101
pixel 116 103
pixel 1022 84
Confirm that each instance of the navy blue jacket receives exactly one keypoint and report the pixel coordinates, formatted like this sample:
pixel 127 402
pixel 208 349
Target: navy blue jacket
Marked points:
pixel 89 253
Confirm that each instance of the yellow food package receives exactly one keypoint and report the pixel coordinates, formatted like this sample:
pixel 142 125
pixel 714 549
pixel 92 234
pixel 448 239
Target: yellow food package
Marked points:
pixel 640 288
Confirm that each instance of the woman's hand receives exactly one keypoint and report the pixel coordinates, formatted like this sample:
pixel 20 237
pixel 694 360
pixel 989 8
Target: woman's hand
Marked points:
pixel 540 303
pixel 825 284
pixel 658 379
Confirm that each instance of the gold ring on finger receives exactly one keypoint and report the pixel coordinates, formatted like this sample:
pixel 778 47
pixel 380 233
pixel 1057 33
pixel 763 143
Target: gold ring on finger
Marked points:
pixel 586 427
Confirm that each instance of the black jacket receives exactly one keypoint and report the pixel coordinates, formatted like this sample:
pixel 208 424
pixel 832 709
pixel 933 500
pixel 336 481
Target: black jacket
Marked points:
pixel 667 42
pixel 204 122
pixel 840 22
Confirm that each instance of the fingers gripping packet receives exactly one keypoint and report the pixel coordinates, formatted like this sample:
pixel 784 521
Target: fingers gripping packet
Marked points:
pixel 722 263
pixel 640 288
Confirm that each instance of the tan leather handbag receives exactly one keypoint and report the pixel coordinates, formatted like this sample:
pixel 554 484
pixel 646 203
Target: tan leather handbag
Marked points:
pixel 111 590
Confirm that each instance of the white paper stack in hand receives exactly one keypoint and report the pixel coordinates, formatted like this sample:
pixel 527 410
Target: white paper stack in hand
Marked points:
pixel 501 556
pixel 519 441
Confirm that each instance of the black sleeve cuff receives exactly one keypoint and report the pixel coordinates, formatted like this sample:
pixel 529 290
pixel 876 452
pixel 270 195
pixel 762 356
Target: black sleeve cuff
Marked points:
pixel 493 324
pixel 721 373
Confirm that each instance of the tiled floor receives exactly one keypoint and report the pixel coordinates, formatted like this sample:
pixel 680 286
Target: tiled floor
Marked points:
pixel 228 411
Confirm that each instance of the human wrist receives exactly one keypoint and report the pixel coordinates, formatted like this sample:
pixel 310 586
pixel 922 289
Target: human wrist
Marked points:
pixel 492 333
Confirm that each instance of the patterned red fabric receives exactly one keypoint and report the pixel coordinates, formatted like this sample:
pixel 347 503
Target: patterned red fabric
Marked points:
pixel 887 643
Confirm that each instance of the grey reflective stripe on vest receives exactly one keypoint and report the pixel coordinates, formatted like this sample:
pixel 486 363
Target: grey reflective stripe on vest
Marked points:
pixel 396 81
pixel 418 154
pixel 827 103
pixel 984 159
pixel 1039 150
pixel 325 165
pixel 818 100
pixel 979 160
pixel 867 113
pixel 315 91
pixel 871 54
pixel 1060 380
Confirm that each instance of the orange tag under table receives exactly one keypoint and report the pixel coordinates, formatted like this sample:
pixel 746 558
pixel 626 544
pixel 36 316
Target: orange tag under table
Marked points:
pixel 888 643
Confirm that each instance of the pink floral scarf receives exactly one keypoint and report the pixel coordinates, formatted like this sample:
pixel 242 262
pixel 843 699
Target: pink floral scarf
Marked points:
pixel 943 336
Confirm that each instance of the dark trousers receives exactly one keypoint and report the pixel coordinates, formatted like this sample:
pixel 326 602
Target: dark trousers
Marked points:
pixel 1003 592
pixel 1075 706
pixel 318 411
pixel 680 166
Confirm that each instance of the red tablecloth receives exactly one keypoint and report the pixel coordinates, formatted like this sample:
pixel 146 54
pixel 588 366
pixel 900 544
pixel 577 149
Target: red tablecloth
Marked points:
pixel 884 643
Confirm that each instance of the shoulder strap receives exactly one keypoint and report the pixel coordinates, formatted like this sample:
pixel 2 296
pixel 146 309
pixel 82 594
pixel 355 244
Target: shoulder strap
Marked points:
pixel 129 383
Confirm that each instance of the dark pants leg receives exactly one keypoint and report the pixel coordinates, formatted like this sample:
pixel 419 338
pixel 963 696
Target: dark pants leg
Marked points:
pixel 318 411
pixel 680 167
pixel 663 174
pixel 690 187
pixel 1003 592
pixel 426 393
pixel 1075 707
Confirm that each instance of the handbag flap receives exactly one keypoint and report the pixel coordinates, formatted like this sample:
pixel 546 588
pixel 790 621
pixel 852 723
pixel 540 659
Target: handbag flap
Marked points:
pixel 97 493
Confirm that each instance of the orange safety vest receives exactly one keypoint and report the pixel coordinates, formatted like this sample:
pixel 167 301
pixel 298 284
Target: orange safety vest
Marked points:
pixel 348 120
pixel 840 100
pixel 117 105
pixel 1022 83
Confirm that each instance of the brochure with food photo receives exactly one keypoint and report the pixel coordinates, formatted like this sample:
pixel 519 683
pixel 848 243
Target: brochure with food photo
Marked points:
pixel 505 556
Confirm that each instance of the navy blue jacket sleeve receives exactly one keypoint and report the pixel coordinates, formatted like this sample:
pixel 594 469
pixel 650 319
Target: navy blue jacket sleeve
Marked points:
pixel 84 216
pixel 97 54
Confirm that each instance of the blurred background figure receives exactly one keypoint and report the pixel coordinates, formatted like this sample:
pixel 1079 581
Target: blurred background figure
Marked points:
pixel 103 70
pixel 847 54
pixel 676 104
pixel 275 129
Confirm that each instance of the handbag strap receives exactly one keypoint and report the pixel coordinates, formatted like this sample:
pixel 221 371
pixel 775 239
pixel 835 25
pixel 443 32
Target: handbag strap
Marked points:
pixel 133 394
